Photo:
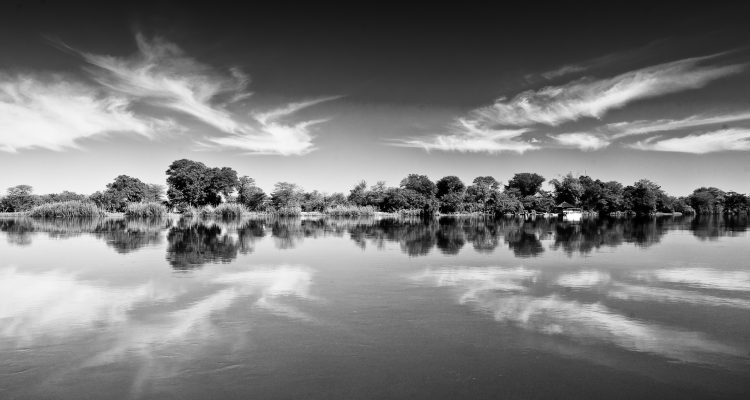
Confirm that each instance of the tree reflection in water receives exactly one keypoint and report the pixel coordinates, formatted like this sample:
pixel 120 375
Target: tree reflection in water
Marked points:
pixel 194 242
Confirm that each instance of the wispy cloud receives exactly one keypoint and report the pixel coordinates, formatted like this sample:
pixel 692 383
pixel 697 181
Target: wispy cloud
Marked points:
pixel 731 139
pixel 605 60
pixel 55 112
pixel 271 135
pixel 501 126
pixel 161 74
pixel 641 127
pixel 469 136
pixel 554 105
pixel 583 141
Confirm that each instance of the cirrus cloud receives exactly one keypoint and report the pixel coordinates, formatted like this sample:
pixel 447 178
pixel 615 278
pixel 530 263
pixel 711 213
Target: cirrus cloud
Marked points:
pixel 730 139
pixel 583 141
pixel 55 112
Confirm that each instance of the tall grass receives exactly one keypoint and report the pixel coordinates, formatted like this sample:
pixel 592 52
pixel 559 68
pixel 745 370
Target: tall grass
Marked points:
pixel 291 211
pixel 351 211
pixel 412 212
pixel 151 209
pixel 230 210
pixel 223 210
pixel 67 209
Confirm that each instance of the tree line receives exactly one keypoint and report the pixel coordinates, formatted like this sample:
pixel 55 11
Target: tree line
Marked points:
pixel 193 184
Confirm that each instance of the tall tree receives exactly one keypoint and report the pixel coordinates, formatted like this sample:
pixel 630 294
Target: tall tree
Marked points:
pixel 19 198
pixel 249 194
pixel 358 194
pixel 420 184
pixel 449 185
pixel 481 193
pixel 569 189
pixel 193 183
pixel 642 197
pixel 286 194
pixel 526 183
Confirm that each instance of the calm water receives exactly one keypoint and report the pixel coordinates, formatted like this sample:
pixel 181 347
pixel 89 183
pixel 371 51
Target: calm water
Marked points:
pixel 351 309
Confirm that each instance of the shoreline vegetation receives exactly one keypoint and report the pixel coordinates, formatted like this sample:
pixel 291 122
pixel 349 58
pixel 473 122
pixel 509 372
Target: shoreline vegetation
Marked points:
pixel 195 190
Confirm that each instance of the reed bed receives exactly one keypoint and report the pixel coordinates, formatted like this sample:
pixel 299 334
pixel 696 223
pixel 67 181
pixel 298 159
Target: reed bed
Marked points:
pixel 146 210
pixel 224 210
pixel 292 211
pixel 351 211
pixel 230 210
pixel 67 209
pixel 413 212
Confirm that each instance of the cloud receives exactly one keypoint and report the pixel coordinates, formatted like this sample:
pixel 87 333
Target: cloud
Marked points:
pixel 468 136
pixel 640 127
pixel 55 112
pixel 731 139
pixel 608 59
pixel 500 126
pixel 554 105
pixel 161 74
pixel 583 141
pixel 271 135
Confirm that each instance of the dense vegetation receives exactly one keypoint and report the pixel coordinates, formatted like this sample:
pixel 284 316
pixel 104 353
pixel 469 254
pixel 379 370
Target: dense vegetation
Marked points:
pixel 195 189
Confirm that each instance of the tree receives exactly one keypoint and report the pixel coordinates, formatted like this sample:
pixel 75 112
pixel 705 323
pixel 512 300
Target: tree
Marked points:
pixel 569 189
pixel 452 202
pixel 506 204
pixel 450 185
pixel 335 199
pixel 395 199
pixel 376 195
pixel 192 183
pixel 420 184
pixel 642 197
pixel 154 192
pixel 358 194
pixel 480 194
pixel 19 198
pixel 707 200
pixel 250 195
pixel 450 192
pixel 313 201
pixel 526 183
pixel 286 194
pixel 104 200
pixel 736 202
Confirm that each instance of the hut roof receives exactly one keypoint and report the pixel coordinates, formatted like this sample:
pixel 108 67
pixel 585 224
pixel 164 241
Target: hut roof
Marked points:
pixel 565 204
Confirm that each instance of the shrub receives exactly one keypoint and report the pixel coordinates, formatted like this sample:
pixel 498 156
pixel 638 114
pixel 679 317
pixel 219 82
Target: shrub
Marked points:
pixel 350 211
pixel 67 209
pixel 410 212
pixel 290 211
pixel 230 210
pixel 151 209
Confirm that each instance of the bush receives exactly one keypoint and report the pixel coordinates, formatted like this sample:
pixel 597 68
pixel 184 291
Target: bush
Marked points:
pixel 67 209
pixel 151 209
pixel 230 210
pixel 291 211
pixel 411 212
pixel 350 211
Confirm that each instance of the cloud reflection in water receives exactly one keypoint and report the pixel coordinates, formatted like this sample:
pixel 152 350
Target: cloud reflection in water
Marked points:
pixel 508 295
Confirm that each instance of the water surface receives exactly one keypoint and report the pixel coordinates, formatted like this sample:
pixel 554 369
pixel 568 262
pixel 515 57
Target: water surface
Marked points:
pixel 344 309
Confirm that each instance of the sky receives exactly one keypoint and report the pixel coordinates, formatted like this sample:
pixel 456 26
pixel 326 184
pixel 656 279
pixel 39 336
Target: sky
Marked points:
pixel 326 96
